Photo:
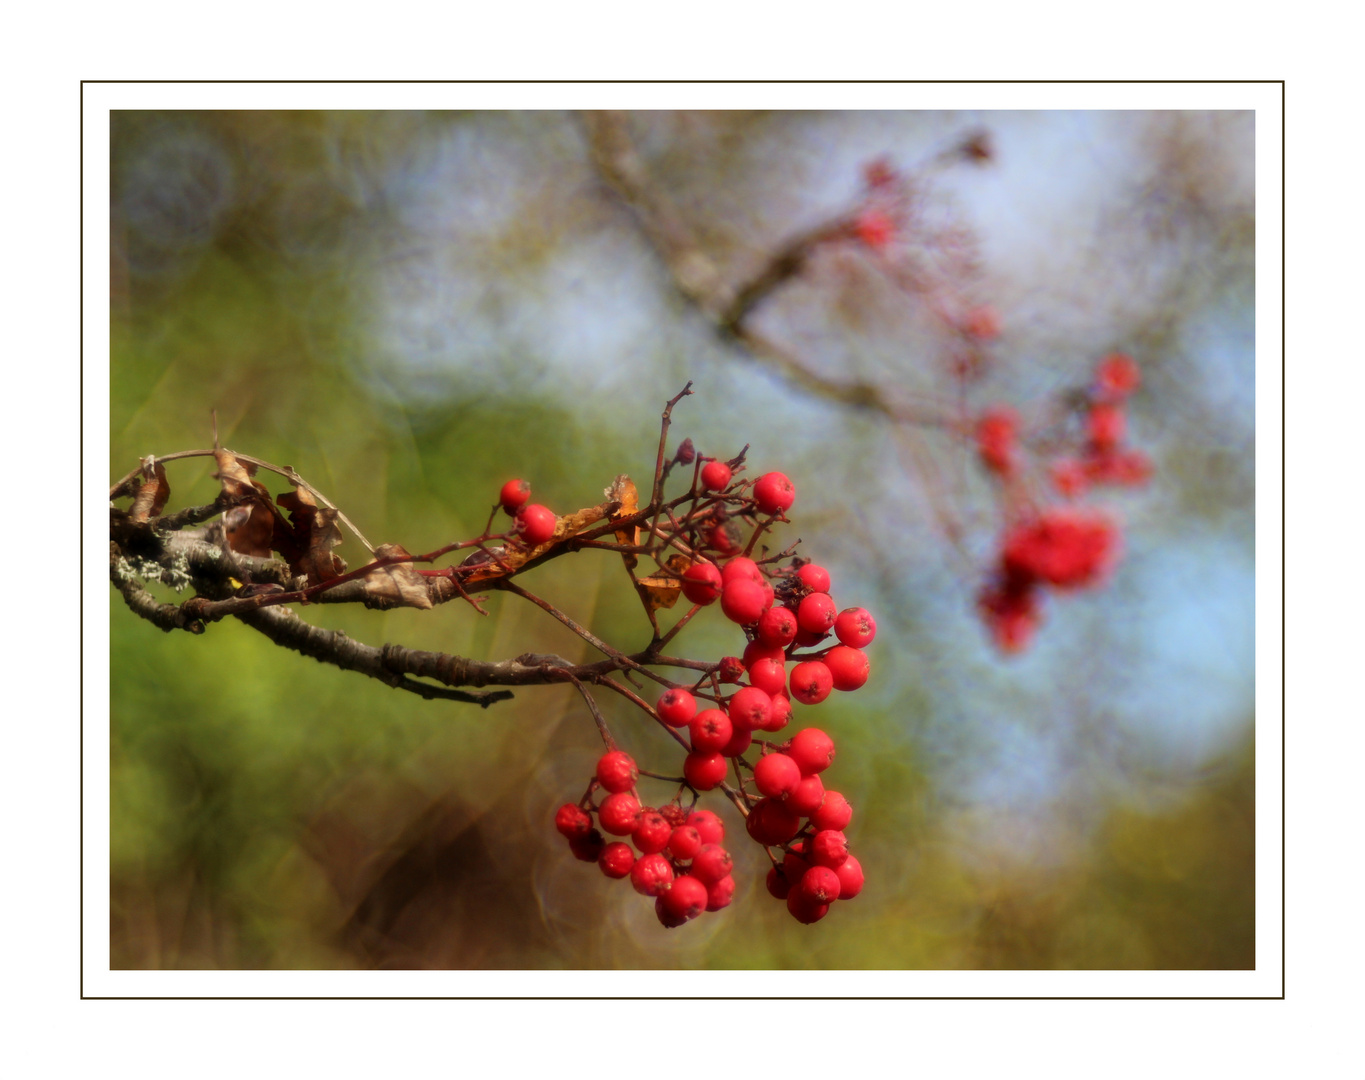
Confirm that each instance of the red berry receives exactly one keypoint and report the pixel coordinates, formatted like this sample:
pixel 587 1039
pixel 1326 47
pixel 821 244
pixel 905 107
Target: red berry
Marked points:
pixel 794 864
pixel 807 796
pixel 812 750
pixel 711 731
pixel 674 814
pixel 741 567
pixel 684 842
pixel 1010 610
pixel 677 707
pixel 666 917
pixel 712 863
pixel 616 859
pixel 651 875
pixel 1107 425
pixel 749 708
pixel 701 582
pixel 829 847
pixel 740 741
pixel 777 626
pixel 1069 477
pixel 1118 376
pixel 572 821
pixel 779 713
pixel 874 228
pixel 815 578
pixel 686 899
pixel 730 669
pixel 587 848
pixel 715 476
pixel 1064 546
pixel 771 822
pixel 803 910
pixel 726 538
pixel 834 813
pixel 770 676
pixel 981 322
pixel 848 667
pixel 744 601
pixel 811 682
pixel 774 493
pixel 619 813
pixel 776 775
pixel 616 771
pixel 816 613
pixel 805 639
pixel 850 873
pixel 536 524
pixel 652 832
pixel 820 885
pixel 759 650
pixel 513 495
pixel 855 627
pixel 777 883
pixel 720 893
pixel 997 432
pixel 704 769
pixel 712 829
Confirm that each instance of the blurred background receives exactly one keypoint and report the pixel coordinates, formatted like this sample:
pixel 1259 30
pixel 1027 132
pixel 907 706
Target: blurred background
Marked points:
pixel 412 308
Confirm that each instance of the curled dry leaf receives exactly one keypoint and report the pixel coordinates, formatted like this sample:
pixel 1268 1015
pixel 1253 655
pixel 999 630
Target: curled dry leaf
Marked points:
pixel 249 530
pixel 320 564
pixel 398 583
pixel 151 497
pixel 662 590
pixel 623 491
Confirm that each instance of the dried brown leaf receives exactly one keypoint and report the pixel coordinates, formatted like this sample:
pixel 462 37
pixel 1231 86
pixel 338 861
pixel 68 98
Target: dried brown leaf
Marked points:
pixel 320 564
pixel 399 583
pixel 151 497
pixel 250 529
pixel 662 590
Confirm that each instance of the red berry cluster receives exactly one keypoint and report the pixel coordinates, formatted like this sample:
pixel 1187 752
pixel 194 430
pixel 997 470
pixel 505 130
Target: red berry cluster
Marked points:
pixel 535 524
pixel 815 868
pixel 787 615
pixel 677 858
pixel 1066 546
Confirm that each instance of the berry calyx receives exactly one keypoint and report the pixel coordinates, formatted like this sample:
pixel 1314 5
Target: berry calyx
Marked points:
pixel 536 524
pixel 730 669
pixel 774 493
pixel 513 496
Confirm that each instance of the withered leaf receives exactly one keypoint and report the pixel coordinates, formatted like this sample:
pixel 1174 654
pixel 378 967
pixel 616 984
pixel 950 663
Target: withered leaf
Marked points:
pixel 320 564
pixel 151 497
pixel 250 529
pixel 235 477
pixel 398 583
pixel 623 491
pixel 662 590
